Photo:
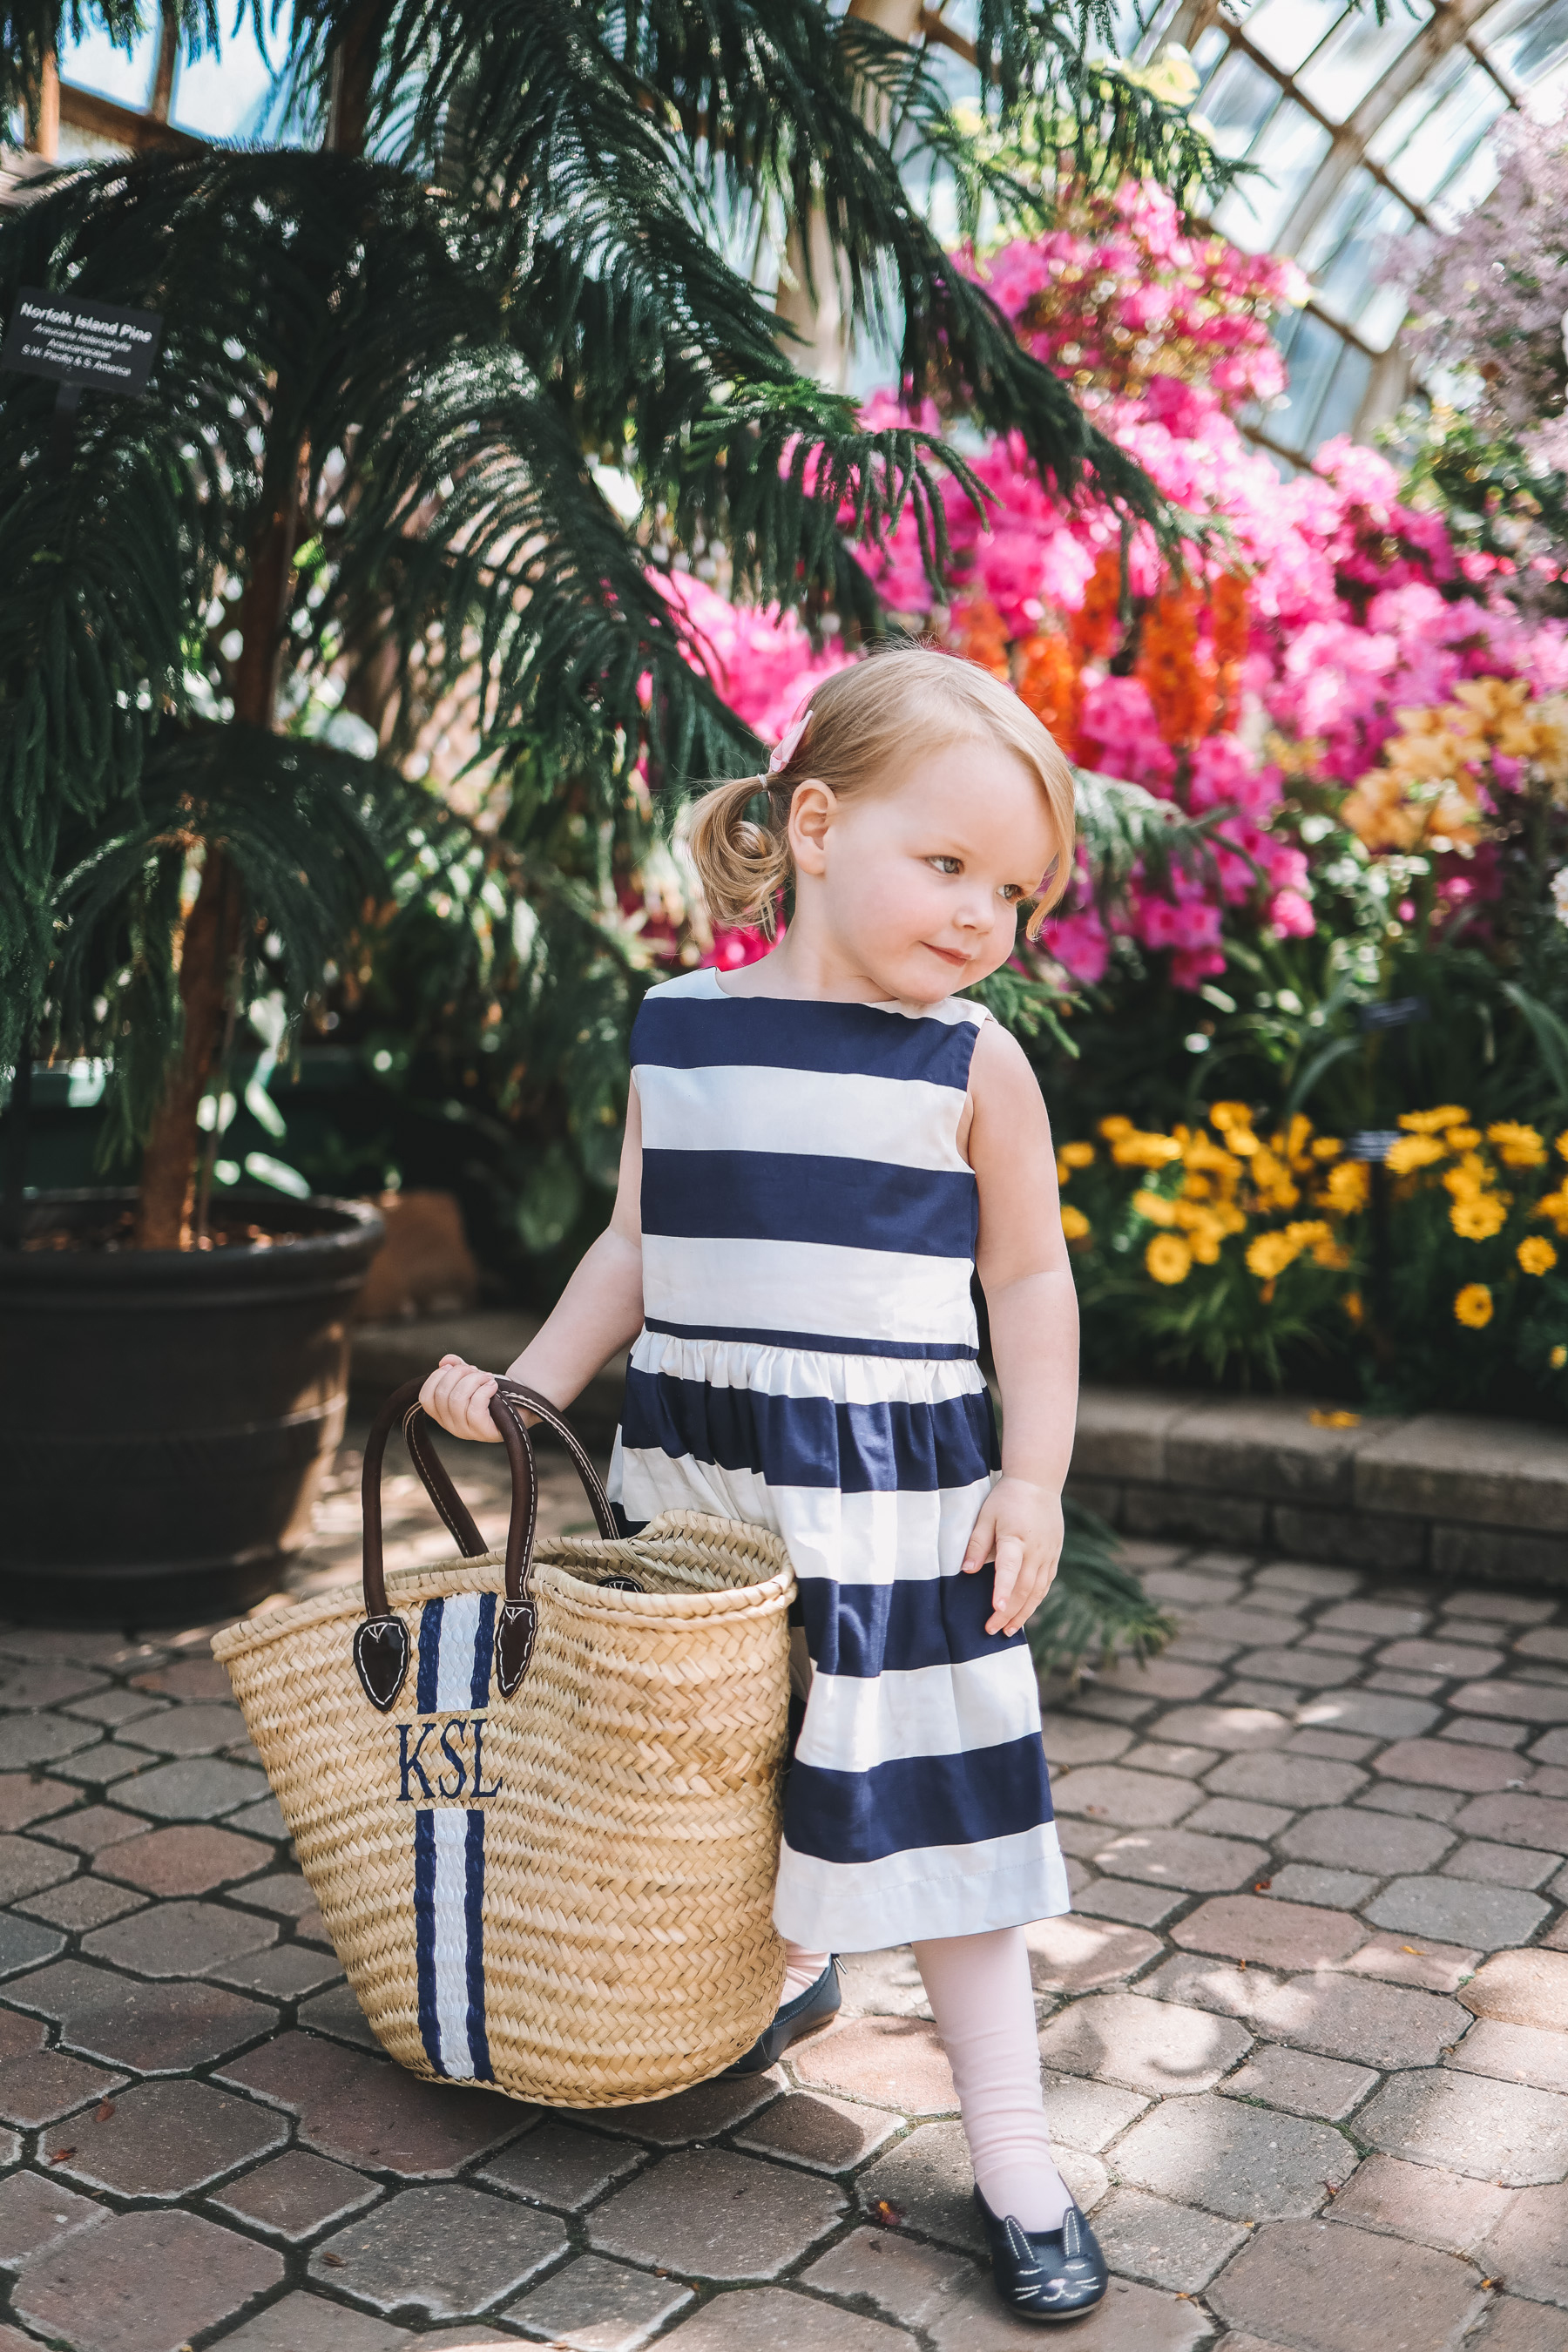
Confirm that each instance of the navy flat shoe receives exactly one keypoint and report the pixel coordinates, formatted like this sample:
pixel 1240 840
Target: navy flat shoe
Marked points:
pixel 804 2014
pixel 1045 2274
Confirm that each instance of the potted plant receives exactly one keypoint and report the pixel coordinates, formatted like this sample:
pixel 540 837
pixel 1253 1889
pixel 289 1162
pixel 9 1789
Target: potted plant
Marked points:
pixel 364 477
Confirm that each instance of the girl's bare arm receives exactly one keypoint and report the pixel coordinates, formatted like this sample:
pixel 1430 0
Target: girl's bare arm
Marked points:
pixel 1022 1261
pixel 598 1314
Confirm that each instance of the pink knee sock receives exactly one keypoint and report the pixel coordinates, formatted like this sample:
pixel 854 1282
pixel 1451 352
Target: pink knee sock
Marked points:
pixel 983 2004
pixel 802 1969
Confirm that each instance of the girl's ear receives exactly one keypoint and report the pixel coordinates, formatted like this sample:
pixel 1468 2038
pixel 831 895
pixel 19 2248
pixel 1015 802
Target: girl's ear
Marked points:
pixel 812 809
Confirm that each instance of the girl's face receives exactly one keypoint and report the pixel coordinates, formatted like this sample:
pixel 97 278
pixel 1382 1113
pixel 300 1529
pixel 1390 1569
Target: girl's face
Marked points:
pixel 917 884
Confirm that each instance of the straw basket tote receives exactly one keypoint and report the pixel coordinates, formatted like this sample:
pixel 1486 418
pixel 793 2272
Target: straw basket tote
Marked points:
pixel 540 1816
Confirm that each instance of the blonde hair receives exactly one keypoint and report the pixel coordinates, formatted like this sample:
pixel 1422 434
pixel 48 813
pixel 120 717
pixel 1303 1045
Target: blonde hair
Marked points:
pixel 858 724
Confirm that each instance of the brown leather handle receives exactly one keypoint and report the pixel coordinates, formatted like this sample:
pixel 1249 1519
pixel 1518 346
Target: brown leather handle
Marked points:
pixel 380 1643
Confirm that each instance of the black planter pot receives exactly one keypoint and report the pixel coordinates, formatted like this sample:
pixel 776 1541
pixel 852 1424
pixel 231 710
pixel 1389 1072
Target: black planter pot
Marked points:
pixel 166 1415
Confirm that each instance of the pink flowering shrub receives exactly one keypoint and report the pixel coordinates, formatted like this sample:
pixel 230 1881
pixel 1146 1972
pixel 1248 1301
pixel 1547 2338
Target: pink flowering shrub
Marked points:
pixel 1332 606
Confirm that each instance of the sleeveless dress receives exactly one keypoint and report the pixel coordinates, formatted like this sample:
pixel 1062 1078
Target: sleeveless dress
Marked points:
pixel 808 1362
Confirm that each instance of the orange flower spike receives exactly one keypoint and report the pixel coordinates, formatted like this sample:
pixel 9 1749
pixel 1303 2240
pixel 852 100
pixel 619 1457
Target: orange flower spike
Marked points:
pixel 1049 682
pixel 1096 625
pixel 981 635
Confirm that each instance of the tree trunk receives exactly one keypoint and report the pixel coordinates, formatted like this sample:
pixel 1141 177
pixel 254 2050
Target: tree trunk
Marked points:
pixel 212 939
pixel 813 305
pixel 213 931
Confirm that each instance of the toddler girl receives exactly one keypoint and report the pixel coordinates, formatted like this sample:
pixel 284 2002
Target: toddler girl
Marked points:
pixel 821 1148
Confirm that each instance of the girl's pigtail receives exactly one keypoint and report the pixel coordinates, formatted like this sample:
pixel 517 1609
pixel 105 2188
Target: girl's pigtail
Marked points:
pixel 742 865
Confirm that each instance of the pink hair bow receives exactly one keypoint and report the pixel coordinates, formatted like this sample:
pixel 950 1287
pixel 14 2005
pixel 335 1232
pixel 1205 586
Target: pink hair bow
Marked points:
pixel 784 751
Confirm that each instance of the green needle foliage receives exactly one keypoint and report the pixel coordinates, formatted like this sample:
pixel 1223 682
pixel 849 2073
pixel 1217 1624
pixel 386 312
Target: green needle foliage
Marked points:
pixel 368 455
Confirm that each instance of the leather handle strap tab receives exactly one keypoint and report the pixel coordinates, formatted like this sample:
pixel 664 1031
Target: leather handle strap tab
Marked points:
pixel 382 1648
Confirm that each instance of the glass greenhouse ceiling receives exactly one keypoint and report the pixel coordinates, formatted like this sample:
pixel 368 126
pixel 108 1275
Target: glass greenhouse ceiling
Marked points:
pixel 1361 133
pixel 1367 132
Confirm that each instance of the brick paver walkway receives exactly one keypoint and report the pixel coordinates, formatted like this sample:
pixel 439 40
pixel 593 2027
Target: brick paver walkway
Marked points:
pixel 1305 2036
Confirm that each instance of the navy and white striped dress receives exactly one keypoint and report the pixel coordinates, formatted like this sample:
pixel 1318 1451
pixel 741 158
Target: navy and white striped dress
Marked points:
pixel 808 1363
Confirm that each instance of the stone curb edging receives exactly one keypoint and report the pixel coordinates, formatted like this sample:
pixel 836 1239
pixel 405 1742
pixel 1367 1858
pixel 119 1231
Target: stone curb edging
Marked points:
pixel 1450 1494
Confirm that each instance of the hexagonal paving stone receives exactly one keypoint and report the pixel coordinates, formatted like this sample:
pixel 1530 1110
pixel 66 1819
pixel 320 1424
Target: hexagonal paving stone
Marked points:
pixel 598 2304
pixel 189 1858
pixel 164 2028
pixel 1352 1838
pixel 1242 2161
pixel 1376 1714
pixel 296 2195
pixel 26 1867
pixel 1074 1739
pixel 1432 1968
pixel 1128 1800
pixel 166 2139
pixel 1501 1865
pixel 825 2135
pixel 771 2319
pixel 445 2251
pixel 92 1828
pixel 1502 2132
pixel 284 1890
pixel 367 2112
pixel 310 2323
pixel 80 1903
pixel 1514 2054
pixel 23 1800
pixel 1155 2047
pixel 1255 1927
pixel 180 1940
pixel 1077 1954
pixel 1448 1764
pixel 282 1974
pixel 1348 2293
pixel 197 1789
pixel 1529 2244
pixel 1460 1911
pixel 1526 2328
pixel 1087 2115
pixel 557 2165
pixel 142 2281
pixel 339 2014
pixel 1372 2024
pixel 700 2113
pixel 895 2061
pixel 186 1678
pixel 1164 2244
pixel 1299 2082
pixel 42 1740
pixel 710 2214
pixel 43 2085
pixel 23 1943
pixel 34 2212
pixel 1183 1858
pixel 190 1730
pixel 1289 1780
pixel 1522 1988
pixel 1424 2202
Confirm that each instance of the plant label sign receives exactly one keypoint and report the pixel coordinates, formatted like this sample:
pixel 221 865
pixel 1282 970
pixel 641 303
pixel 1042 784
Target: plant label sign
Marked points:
pixel 80 342
pixel 1395 1013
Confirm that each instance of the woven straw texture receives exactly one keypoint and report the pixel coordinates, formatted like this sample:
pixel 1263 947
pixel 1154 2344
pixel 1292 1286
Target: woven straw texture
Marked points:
pixel 631 1851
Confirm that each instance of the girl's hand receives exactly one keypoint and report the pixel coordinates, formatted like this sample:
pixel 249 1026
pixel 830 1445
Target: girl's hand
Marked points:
pixel 1020 1527
pixel 458 1396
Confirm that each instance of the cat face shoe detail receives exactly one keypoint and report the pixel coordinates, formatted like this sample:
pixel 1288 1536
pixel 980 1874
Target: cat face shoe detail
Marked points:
pixel 804 2014
pixel 1045 2274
